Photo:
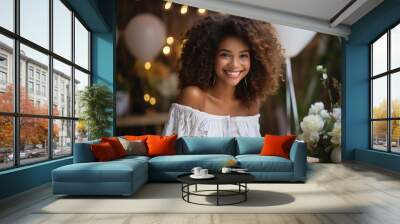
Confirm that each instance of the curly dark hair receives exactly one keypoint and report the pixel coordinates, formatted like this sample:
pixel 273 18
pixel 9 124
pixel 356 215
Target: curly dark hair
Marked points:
pixel 201 43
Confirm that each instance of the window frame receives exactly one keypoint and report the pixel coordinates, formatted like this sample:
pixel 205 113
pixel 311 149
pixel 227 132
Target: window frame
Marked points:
pixel 16 114
pixel 388 74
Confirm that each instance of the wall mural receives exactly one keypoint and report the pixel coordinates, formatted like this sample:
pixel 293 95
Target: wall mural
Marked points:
pixel 177 63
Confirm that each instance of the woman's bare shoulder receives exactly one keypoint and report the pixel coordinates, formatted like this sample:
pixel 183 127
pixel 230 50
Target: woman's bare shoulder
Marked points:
pixel 192 96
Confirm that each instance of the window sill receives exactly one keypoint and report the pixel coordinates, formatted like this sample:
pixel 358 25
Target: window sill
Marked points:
pixel 26 167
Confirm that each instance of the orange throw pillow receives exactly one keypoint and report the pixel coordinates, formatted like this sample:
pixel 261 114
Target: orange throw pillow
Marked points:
pixel 161 145
pixel 116 145
pixel 136 137
pixel 275 145
pixel 103 152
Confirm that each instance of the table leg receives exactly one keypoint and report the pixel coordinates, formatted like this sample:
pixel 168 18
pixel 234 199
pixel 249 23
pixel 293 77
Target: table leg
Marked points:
pixel 217 194
pixel 196 188
pixel 245 193
pixel 188 190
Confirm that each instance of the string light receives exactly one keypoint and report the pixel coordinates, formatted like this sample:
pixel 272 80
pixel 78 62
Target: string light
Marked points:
pixel 170 40
pixel 147 65
pixel 184 9
pixel 153 101
pixel 146 97
pixel 166 50
pixel 168 5
pixel 201 11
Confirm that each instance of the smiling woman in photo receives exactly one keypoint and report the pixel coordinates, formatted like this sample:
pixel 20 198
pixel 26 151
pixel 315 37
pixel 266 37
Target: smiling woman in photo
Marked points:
pixel 229 65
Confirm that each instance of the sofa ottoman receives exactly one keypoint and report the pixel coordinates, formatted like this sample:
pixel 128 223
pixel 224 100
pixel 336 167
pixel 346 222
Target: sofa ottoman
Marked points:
pixel 118 177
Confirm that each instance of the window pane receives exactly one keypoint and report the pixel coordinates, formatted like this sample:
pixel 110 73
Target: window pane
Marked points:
pixel 62 29
pixel 62 89
pixel 379 55
pixel 62 138
pixel 33 139
pixel 81 81
pixel 395 136
pixel 7 14
pixel 379 135
pixel 379 97
pixel 395 47
pixel 35 21
pixel 6 142
pixel 34 78
pixel 395 94
pixel 81 131
pixel 6 74
pixel 81 45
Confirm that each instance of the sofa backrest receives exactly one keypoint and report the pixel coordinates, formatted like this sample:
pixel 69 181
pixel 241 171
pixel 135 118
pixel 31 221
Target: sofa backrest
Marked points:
pixel 206 145
pixel 83 152
pixel 249 145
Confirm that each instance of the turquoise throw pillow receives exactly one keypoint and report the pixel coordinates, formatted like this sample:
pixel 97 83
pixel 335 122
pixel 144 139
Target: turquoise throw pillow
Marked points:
pixel 206 145
pixel 249 145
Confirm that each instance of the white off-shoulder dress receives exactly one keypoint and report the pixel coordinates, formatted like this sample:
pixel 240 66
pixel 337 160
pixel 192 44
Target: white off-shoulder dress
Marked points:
pixel 187 121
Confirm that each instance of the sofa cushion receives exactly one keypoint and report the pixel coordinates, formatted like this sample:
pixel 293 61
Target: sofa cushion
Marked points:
pixel 136 137
pixel 185 163
pixel 249 145
pixel 111 171
pixel 161 145
pixel 206 145
pixel 277 145
pixel 116 145
pixel 133 147
pixel 131 158
pixel 83 152
pixel 257 163
pixel 103 151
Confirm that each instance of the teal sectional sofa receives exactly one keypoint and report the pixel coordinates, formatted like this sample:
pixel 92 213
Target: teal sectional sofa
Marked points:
pixel 125 176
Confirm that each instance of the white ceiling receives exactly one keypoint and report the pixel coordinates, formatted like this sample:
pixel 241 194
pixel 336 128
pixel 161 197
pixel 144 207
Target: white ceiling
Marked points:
pixel 320 9
pixel 315 15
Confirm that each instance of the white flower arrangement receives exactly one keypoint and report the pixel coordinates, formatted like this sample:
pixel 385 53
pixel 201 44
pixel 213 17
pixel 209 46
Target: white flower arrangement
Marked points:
pixel 321 129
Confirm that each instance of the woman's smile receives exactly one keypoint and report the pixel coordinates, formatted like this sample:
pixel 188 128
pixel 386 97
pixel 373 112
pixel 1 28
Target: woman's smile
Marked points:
pixel 232 74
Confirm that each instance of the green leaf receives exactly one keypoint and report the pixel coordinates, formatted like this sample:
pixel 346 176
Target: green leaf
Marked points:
pixel 96 102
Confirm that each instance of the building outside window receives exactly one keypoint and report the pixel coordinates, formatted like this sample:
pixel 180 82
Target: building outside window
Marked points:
pixel 43 90
pixel 30 72
pixel 3 61
pixel 37 75
pixel 43 78
pixel 3 78
pixel 3 72
pixel 30 87
pixel 385 94
pixel 38 89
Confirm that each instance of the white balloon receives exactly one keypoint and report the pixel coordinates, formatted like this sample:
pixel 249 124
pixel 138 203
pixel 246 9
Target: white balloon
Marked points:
pixel 145 36
pixel 293 40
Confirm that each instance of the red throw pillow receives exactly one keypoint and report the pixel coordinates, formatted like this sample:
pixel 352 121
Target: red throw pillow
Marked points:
pixel 135 137
pixel 161 145
pixel 116 145
pixel 103 151
pixel 275 145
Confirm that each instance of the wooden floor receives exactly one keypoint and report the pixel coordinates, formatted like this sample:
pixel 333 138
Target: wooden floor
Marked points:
pixel 377 188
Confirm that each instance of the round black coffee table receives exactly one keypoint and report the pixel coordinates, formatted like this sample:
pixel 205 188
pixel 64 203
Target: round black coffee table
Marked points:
pixel 238 179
